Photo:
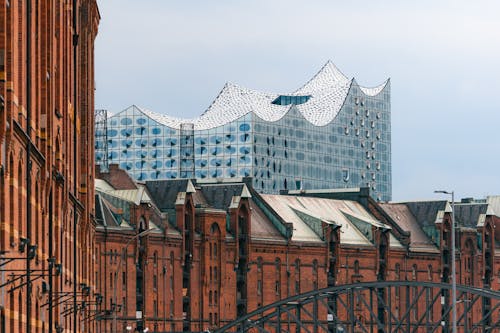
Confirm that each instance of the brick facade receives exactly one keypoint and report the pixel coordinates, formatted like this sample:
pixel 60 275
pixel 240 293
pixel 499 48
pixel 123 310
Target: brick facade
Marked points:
pixel 46 157
pixel 208 261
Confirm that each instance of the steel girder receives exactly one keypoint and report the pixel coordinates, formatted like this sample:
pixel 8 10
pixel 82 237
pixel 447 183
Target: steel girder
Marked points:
pixel 376 307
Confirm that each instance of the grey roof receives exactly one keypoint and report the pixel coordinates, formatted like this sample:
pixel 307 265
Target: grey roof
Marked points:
pixel 467 214
pixel 220 195
pixel 164 192
pixel 426 212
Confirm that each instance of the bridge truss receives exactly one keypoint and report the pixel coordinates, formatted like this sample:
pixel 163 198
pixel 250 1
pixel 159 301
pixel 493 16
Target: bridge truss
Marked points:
pixel 377 307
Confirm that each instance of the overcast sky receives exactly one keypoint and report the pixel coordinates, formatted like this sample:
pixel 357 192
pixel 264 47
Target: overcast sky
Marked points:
pixel 443 58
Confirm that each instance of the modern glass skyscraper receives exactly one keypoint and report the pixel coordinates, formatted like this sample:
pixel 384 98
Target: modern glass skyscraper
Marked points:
pixel 331 133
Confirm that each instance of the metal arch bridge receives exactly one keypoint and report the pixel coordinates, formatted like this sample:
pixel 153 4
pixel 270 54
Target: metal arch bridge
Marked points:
pixel 376 307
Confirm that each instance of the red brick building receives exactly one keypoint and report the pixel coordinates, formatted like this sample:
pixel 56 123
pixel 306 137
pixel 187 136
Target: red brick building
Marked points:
pixel 218 250
pixel 46 157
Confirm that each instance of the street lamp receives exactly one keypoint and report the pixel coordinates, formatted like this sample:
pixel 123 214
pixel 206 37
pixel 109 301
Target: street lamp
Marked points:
pixel 118 269
pixel 453 264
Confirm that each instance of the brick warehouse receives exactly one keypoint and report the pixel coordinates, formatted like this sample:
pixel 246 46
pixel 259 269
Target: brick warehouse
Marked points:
pixel 46 157
pixel 215 250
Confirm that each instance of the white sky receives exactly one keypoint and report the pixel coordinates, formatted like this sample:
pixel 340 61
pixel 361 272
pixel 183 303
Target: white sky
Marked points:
pixel 443 58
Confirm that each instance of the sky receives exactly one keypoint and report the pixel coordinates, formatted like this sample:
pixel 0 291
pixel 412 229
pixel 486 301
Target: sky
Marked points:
pixel 443 59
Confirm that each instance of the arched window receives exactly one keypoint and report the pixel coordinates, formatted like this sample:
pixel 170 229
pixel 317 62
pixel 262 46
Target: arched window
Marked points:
pixel 315 274
pixel 297 276
pixel 11 200
pixel 20 200
pixel 278 277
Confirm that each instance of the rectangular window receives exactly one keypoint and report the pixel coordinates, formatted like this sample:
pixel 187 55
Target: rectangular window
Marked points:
pixel 155 308
pixel 124 305
pixel 259 287
pixel 124 280
pixel 155 282
pixel 171 308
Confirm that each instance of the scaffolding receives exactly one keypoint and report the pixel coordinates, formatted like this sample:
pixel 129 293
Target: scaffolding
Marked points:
pixel 101 139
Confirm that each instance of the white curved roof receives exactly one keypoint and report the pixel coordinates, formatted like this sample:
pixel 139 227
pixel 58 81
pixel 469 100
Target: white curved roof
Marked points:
pixel 328 90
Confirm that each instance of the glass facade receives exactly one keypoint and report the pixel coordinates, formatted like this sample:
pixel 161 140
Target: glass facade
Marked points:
pixel 352 150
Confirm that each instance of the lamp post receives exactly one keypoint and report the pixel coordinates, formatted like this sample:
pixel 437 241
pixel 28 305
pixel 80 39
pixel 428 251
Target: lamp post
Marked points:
pixel 453 264
pixel 118 269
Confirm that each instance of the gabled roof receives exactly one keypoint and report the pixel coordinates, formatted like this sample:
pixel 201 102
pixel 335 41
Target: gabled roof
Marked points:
pixel 164 192
pixel 327 90
pixel 401 214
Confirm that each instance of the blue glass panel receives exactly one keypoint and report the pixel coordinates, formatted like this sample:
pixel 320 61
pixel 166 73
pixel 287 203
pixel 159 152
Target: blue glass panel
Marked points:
pixel 230 150
pixel 141 131
pixel 171 141
pixel 186 174
pixel 201 173
pixel 201 163
pixel 171 152
pixel 186 163
pixel 245 137
pixel 216 162
pixel 156 153
pixel 215 139
pixel 156 174
pixel 245 159
pixel 156 164
pixel 142 176
pixel 141 121
pixel 99 156
pixel 170 163
pixel 156 131
pixel 186 152
pixel 200 141
pixel 216 173
pixel 127 143
pixel 201 150
pixel 141 142
pixel 140 164
pixel 230 137
pixel 231 172
pixel 156 142
pixel 244 127
pixel 126 132
pixel 113 155
pixel 141 153
pixel 126 165
pixel 112 133
pixel 245 150
pixel 245 172
pixel 126 121
pixel 230 162
pixel 216 151
pixel 126 153
pixel 112 143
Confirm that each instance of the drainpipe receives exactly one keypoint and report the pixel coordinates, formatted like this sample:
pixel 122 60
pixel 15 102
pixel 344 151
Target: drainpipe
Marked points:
pixel 28 164
pixel 75 169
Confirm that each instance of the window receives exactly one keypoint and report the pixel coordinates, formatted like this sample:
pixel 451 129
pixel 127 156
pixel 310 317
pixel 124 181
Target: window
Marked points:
pixel 155 282
pixel 287 100
pixel 259 287
pixel 210 297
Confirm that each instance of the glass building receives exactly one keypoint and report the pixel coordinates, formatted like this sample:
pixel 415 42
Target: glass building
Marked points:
pixel 330 133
